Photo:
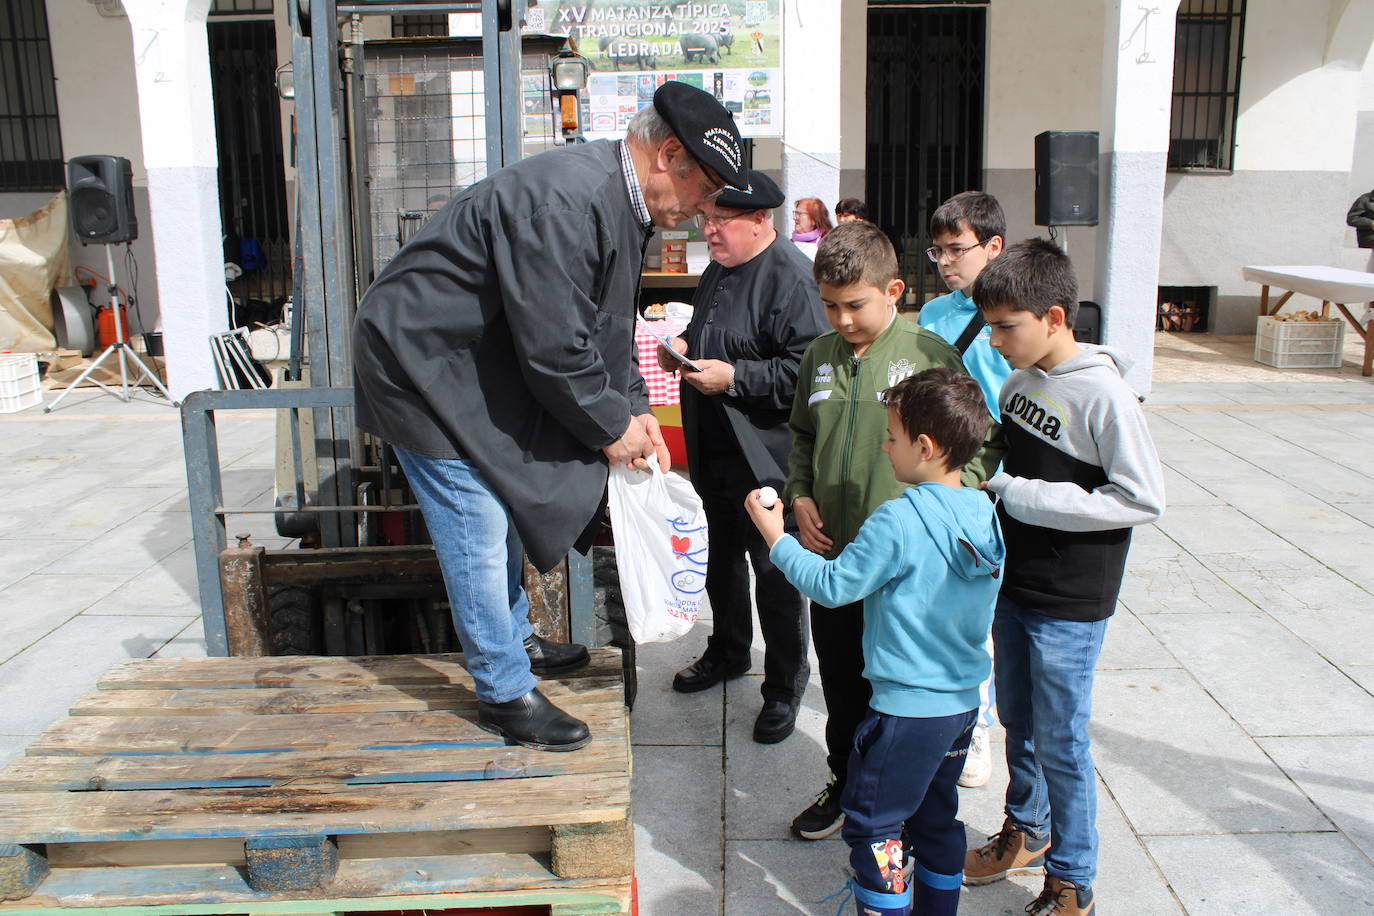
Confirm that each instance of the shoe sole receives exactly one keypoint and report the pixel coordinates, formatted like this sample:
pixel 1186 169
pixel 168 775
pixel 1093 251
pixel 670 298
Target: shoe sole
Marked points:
pixel 974 783
pixel 777 738
pixel 820 834
pixel 1001 875
pixel 496 730
pixel 697 688
pixel 564 668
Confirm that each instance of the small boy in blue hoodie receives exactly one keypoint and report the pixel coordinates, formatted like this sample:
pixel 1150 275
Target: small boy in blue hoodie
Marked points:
pixel 927 566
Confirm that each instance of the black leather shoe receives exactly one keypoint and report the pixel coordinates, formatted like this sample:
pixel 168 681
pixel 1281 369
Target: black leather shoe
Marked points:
pixel 775 722
pixel 548 657
pixel 707 671
pixel 531 720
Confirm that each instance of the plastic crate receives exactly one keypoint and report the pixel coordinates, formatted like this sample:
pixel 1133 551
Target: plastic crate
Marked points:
pixel 1299 344
pixel 19 385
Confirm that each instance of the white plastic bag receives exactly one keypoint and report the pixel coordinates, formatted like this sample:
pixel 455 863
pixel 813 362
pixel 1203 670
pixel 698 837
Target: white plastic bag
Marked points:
pixel 660 550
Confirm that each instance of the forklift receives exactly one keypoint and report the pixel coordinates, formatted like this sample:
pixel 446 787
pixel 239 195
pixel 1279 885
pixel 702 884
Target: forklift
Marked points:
pixel 375 126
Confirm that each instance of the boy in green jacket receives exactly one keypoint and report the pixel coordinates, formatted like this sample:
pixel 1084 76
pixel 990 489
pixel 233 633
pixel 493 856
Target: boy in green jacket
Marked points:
pixel 838 473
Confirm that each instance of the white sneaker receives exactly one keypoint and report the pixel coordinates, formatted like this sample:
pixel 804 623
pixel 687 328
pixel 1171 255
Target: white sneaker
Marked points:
pixel 978 764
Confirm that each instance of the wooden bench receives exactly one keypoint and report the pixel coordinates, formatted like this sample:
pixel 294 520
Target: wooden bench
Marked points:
pixel 239 785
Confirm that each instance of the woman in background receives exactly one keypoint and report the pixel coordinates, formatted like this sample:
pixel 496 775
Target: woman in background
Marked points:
pixel 810 223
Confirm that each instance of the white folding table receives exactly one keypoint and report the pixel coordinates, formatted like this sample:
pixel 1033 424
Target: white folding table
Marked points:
pixel 1332 285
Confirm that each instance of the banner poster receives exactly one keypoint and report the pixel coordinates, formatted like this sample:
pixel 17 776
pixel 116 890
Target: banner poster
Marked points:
pixel 730 48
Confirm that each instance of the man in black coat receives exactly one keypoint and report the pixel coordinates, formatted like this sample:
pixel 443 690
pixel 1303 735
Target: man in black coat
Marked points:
pixel 754 313
pixel 496 353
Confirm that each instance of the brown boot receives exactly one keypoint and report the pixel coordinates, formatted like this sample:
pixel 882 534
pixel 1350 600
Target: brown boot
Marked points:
pixel 1007 852
pixel 1062 898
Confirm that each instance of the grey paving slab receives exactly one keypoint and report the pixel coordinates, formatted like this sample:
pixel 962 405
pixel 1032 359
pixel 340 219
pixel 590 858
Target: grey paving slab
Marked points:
pixel 1210 531
pixel 1172 585
pixel 40 683
pixel 92 515
pixel 1266 873
pixel 167 588
pixel 1361 674
pixel 1181 490
pixel 21 556
pixel 38 604
pixel 1336 774
pixel 784 877
pixel 1174 393
pixel 1314 431
pixel 664 717
pixel 130 547
pixel 1265 677
pixel 1128 644
pixel 12 746
pixel 1246 435
pixel 189 643
pixel 1177 763
pixel 1363 510
pixel 769 784
pixel 677 813
pixel 241 487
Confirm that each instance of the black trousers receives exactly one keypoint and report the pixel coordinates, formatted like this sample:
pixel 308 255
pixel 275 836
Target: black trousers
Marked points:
pixel 722 481
pixel 838 635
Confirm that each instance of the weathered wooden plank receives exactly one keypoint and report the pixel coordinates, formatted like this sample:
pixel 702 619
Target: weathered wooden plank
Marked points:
pixel 229 851
pixel 22 870
pixel 299 670
pixel 68 817
pixel 178 771
pixel 434 883
pixel 216 735
pixel 290 863
pixel 254 701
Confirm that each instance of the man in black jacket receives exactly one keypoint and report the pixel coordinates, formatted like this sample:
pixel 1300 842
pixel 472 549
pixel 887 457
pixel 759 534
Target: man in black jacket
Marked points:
pixel 754 312
pixel 496 353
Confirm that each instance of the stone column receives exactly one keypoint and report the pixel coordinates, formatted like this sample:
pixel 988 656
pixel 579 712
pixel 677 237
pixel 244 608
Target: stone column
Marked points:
pixel 1137 77
pixel 814 119
pixel 177 119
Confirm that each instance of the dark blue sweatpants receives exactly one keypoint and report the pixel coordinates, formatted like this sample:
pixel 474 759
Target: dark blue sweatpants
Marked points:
pixel 906 771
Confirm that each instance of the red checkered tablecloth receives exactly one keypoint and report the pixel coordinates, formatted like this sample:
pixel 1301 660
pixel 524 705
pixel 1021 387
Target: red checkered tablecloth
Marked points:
pixel 663 387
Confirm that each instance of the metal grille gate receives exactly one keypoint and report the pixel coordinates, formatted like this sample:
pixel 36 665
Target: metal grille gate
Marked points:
pixel 252 183
pixel 925 122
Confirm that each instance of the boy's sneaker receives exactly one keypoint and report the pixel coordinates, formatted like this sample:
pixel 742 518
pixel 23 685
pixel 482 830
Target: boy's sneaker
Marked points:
pixel 1007 852
pixel 822 818
pixel 978 763
pixel 1061 898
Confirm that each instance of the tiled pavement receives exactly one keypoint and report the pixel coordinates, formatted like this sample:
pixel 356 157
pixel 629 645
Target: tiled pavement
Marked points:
pixel 1235 694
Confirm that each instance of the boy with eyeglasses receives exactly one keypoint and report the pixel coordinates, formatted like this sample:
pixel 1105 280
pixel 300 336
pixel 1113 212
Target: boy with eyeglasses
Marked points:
pixel 968 232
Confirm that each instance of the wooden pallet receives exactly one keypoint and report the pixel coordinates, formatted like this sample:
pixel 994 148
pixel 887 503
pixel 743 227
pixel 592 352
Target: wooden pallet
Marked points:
pixel 315 785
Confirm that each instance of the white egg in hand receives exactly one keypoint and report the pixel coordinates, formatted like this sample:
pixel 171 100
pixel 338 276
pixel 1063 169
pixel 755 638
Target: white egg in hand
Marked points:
pixel 768 496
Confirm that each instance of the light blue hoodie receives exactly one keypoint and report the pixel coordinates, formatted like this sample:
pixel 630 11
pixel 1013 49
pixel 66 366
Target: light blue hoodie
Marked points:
pixel 927 565
pixel 948 316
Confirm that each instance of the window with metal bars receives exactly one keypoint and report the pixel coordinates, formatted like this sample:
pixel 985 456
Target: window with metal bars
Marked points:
pixel 1207 56
pixel 30 138
pixel 239 7
pixel 418 25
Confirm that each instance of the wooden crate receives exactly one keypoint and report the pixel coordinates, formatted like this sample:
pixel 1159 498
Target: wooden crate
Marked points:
pixel 239 785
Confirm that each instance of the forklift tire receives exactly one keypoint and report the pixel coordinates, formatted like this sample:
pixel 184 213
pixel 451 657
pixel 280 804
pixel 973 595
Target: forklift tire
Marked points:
pixel 296 624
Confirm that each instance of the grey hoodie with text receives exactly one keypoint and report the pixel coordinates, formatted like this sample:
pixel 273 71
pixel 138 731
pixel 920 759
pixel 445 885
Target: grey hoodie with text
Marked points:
pixel 1081 470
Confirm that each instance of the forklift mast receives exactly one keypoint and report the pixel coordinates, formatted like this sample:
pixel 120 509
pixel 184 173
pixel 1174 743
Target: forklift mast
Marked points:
pixel 355 591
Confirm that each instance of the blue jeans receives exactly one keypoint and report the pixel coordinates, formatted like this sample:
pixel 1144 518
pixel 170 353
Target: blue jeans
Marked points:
pixel 1044 671
pixel 482 559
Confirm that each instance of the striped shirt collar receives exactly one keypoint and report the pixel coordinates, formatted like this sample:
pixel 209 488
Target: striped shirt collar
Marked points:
pixel 632 184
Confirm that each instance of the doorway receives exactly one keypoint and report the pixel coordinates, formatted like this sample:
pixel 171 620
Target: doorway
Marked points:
pixel 252 180
pixel 925 122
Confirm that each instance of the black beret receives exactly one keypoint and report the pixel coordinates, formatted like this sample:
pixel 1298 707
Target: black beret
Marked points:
pixel 704 127
pixel 761 194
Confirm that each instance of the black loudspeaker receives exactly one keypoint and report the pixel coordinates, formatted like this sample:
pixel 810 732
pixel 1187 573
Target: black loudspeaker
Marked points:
pixel 102 199
pixel 1066 178
pixel 1087 327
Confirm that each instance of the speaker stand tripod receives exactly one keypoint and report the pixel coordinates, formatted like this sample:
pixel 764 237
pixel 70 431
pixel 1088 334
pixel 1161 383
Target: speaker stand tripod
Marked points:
pixel 123 353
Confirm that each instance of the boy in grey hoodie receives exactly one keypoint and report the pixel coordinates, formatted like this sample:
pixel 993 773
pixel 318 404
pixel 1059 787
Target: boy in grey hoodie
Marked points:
pixel 1079 473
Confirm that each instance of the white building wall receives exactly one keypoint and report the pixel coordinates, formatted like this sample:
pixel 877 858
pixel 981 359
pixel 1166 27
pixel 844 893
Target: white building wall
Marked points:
pixel 1285 203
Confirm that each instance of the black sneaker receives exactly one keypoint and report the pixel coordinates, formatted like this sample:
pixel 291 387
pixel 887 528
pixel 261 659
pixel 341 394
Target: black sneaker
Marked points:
pixel 822 818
